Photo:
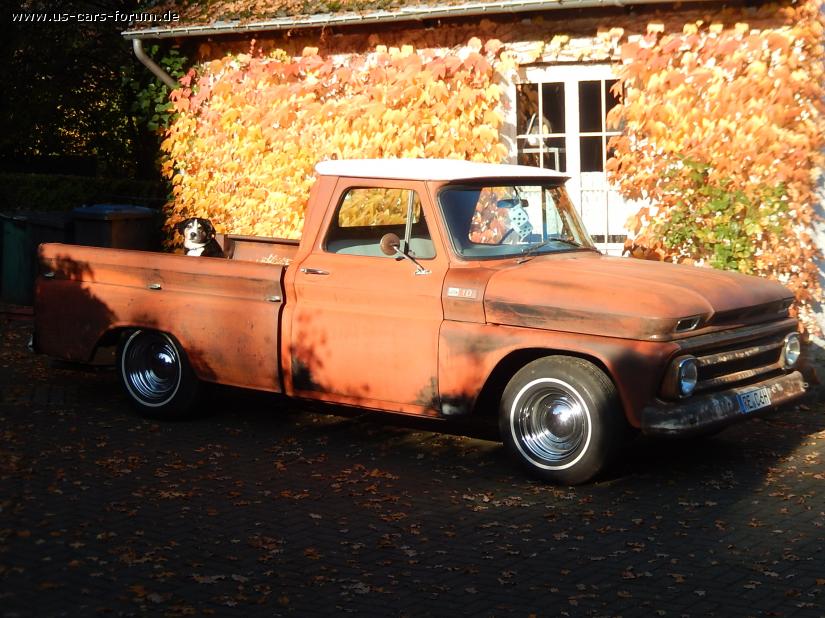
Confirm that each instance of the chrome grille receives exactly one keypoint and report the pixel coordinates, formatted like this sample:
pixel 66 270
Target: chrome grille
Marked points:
pixel 739 364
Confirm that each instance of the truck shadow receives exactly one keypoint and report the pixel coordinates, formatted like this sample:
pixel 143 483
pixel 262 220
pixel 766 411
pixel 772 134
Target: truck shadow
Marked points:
pixel 758 444
pixel 229 404
pixel 61 308
pixel 745 453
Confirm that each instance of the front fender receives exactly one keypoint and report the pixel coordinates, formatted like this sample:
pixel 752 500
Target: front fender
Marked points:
pixel 469 354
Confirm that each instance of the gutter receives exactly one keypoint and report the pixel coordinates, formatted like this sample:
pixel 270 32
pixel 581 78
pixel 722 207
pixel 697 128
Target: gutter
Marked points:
pixel 137 46
pixel 413 13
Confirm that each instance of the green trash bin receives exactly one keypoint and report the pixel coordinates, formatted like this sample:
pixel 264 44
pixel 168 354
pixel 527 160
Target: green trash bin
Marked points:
pixel 17 276
pixel 120 226
pixel 23 232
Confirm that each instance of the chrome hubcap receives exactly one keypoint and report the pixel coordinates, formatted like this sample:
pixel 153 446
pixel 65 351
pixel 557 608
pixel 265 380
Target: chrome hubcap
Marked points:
pixel 550 422
pixel 151 367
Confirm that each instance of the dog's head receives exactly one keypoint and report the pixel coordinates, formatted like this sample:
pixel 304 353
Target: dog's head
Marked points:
pixel 196 231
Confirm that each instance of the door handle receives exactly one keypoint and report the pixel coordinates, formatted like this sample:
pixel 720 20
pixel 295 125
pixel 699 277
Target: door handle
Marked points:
pixel 314 271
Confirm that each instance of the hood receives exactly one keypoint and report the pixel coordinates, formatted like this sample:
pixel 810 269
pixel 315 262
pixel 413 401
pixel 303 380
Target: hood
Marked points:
pixel 625 297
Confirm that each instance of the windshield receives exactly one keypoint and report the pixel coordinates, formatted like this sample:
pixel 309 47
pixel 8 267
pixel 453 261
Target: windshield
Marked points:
pixel 511 221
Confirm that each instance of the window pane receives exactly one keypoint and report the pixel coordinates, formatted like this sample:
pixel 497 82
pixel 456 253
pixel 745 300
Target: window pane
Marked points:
pixel 591 154
pixel 548 153
pixel 508 221
pixel 590 107
pixel 610 102
pixel 369 207
pixel 527 105
pixel 553 101
pixel 492 220
pixel 536 148
pixel 367 214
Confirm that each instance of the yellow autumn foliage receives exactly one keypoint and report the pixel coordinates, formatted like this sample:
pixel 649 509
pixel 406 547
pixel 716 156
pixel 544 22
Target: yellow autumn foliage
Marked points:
pixel 250 129
pixel 723 129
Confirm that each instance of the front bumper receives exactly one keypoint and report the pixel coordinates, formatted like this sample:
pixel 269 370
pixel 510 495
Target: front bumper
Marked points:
pixel 707 412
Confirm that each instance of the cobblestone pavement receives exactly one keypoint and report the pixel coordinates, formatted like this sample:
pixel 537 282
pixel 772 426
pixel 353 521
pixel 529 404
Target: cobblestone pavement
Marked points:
pixel 264 507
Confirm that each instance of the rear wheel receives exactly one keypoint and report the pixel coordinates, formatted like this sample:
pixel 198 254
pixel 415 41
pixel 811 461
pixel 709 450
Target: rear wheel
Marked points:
pixel 560 417
pixel 157 376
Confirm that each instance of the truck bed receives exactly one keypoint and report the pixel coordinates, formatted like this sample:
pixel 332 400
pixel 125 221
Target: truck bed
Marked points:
pixel 224 312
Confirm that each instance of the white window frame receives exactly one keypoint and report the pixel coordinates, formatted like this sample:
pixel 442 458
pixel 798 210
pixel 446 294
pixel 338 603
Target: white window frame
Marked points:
pixel 570 75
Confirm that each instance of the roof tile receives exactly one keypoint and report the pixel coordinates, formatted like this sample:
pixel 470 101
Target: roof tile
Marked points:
pixel 210 12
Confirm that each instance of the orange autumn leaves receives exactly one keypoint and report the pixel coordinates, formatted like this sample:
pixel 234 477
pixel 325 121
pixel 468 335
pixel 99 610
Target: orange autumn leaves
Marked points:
pixel 251 128
pixel 723 132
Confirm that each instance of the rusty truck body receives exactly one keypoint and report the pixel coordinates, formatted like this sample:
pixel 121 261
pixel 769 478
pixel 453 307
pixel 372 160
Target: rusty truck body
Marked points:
pixel 437 288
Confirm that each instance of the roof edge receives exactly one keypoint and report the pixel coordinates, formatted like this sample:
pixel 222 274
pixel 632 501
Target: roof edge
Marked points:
pixel 437 170
pixel 417 13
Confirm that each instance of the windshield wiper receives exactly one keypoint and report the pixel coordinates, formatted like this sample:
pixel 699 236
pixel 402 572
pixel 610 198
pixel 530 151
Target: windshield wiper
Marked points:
pixel 532 250
pixel 569 241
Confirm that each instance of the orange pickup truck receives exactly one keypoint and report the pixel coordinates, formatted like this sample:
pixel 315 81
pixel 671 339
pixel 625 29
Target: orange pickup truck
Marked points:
pixel 436 288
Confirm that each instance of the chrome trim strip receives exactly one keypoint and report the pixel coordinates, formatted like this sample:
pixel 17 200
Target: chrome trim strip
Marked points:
pixel 731 378
pixel 734 355
pixel 736 335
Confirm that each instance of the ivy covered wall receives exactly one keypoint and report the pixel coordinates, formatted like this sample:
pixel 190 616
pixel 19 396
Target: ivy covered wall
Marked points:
pixel 723 132
pixel 722 120
pixel 250 127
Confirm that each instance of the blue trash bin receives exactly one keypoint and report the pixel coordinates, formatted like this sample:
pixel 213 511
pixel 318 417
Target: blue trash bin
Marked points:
pixel 120 226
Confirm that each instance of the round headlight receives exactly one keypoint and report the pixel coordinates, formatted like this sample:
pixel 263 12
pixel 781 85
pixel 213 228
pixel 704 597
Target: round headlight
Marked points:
pixel 791 350
pixel 687 373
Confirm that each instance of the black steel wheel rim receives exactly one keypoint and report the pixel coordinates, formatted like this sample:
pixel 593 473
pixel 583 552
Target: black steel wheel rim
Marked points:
pixel 151 367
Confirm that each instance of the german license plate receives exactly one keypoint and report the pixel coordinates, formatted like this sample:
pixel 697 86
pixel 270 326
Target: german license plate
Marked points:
pixel 754 400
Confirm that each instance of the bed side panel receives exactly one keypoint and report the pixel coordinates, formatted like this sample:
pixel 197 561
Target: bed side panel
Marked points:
pixel 224 313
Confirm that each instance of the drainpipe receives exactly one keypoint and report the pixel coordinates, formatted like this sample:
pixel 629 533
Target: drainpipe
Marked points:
pixel 137 46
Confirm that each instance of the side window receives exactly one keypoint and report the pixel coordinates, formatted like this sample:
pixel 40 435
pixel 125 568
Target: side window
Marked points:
pixel 376 207
pixel 366 214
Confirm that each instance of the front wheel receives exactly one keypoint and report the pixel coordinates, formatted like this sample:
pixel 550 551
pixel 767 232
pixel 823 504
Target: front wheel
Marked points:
pixel 560 416
pixel 156 374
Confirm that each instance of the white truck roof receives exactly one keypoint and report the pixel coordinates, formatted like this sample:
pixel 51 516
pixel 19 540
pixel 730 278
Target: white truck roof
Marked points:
pixel 430 169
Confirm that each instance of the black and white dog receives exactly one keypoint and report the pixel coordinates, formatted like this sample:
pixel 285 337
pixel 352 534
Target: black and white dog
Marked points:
pixel 199 237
